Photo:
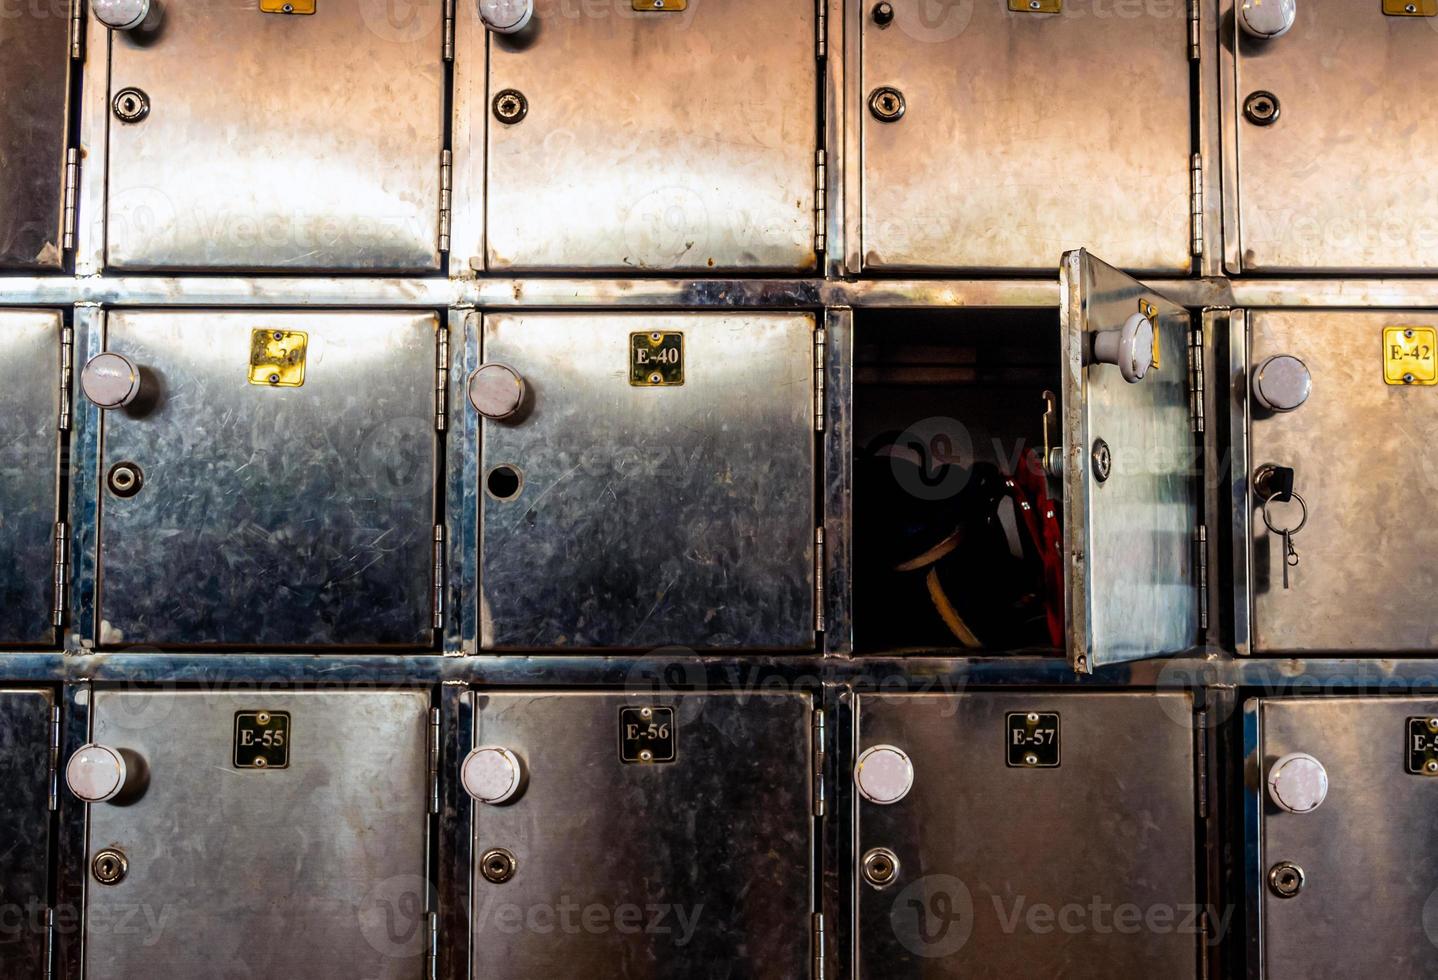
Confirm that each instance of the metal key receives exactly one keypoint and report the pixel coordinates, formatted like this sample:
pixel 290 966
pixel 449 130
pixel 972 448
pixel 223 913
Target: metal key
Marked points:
pixel 1290 553
pixel 1290 556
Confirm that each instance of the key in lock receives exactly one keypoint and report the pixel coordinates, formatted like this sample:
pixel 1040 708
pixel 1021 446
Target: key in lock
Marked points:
pixel 1274 486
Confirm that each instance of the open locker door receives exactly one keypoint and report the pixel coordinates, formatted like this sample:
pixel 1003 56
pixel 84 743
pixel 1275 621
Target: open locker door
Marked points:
pixel 1130 500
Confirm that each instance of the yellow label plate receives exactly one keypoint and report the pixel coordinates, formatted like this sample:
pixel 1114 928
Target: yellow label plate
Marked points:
pixel 1041 6
pixel 1410 355
pixel 292 7
pixel 656 359
pixel 1410 8
pixel 659 6
pixel 277 358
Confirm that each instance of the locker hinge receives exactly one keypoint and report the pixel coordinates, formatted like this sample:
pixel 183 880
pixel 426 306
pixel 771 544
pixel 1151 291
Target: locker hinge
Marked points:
pixel 818 931
pixel 49 944
pixel 818 580
pixel 434 760
pixel 54 758
pixel 76 27
pixel 1195 379
pixel 1201 749
pixel 72 187
pixel 439 576
pixel 431 952
pixel 821 43
pixel 1206 939
pixel 446 182
pixel 62 573
pixel 448 30
pixel 1195 209
pixel 1200 562
pixel 820 803
pixel 67 375
pixel 1194 34
pixel 441 381
pixel 821 199
pixel 821 341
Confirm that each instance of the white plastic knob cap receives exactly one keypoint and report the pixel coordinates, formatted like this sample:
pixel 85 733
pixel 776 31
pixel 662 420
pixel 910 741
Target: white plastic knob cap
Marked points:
pixel 110 380
pixel 492 774
pixel 1267 18
pixel 1282 383
pixel 96 773
pixel 496 391
pixel 884 774
pixel 1298 783
pixel 1130 347
pixel 121 15
pixel 506 16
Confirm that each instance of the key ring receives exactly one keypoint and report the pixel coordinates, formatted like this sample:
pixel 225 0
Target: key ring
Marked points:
pixel 1286 532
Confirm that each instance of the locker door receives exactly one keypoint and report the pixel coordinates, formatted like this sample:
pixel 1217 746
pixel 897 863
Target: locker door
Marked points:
pixel 1025 834
pixel 272 482
pixel 1130 468
pixel 310 864
pixel 1327 396
pixel 1345 806
pixel 653 136
pixel 649 481
pixel 29 473
pixel 1332 141
pixel 25 738
pixel 34 117
pixel 694 862
pixel 996 137
pixel 243 137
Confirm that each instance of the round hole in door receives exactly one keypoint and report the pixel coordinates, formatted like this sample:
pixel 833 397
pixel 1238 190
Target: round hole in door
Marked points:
pixel 504 482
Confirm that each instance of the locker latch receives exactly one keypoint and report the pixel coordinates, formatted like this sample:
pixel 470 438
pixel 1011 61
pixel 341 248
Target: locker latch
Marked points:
pixel 287 6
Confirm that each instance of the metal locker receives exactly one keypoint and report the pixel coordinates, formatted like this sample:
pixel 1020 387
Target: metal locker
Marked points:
pixel 30 418
pixel 1025 834
pixel 1341 808
pixel 648 479
pixel 642 835
pixel 237 835
pixel 1328 397
pixel 28 727
pixel 995 136
pixel 1130 466
pixel 271 480
pixel 34 119
pixel 1328 139
pixel 657 135
pixel 276 136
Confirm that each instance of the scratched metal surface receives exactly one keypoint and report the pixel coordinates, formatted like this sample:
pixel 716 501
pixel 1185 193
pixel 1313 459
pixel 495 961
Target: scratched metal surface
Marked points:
pixel 29 449
pixel 24 829
pixel 652 516
pixel 271 516
pixel 719 842
pixel 34 75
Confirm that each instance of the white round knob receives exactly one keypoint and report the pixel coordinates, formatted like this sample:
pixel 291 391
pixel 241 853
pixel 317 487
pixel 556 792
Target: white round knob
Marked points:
pixel 1267 18
pixel 121 15
pixel 1130 347
pixel 1282 383
pixel 506 16
pixel 96 773
pixel 110 380
pixel 884 774
pixel 492 774
pixel 1298 783
pixel 496 391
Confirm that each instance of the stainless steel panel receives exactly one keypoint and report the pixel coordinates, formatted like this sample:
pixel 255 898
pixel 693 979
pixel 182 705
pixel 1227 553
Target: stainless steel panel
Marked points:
pixel 29 472
pixel 34 118
pixel 655 140
pixel 1367 907
pixel 652 515
pixel 318 869
pixel 1129 541
pixel 1084 870
pixel 25 729
pixel 279 142
pixel 1026 135
pixel 1367 467
pixel 1338 183
pixel 699 868
pixel 271 515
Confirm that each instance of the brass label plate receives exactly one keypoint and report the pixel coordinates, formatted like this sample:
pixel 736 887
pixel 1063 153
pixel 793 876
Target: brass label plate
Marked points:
pixel 656 359
pixel 277 358
pixel 659 6
pixel 1423 746
pixel 647 736
pixel 262 739
pixel 290 7
pixel 1410 355
pixel 1037 6
pixel 1410 8
pixel 1033 740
